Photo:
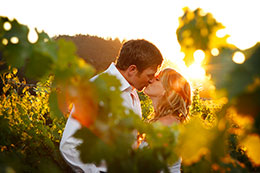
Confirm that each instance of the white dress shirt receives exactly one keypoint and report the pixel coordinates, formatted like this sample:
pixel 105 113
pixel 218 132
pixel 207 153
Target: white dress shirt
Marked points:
pixel 68 143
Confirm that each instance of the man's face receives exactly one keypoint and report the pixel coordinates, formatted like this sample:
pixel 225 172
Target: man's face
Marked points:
pixel 141 80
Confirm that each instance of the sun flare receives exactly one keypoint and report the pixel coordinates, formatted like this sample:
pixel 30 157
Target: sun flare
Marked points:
pixel 238 57
pixel 196 71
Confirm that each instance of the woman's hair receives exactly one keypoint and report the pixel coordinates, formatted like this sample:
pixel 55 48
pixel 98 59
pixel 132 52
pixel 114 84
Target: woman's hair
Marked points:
pixel 177 98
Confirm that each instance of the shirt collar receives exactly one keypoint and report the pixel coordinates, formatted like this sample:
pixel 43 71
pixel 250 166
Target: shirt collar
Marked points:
pixel 124 83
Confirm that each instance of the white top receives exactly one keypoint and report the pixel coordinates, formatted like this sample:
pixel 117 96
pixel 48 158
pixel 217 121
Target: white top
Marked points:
pixel 68 143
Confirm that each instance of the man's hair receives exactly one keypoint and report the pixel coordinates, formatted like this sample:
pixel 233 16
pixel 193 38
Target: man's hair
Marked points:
pixel 138 52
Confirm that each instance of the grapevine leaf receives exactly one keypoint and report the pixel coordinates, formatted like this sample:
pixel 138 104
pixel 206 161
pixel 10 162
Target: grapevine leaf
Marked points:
pixel 54 106
pixel 17 52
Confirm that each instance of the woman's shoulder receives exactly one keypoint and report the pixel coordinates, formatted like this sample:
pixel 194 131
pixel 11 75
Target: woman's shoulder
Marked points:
pixel 169 120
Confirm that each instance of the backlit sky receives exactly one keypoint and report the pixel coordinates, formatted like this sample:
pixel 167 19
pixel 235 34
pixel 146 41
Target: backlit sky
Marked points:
pixel 155 21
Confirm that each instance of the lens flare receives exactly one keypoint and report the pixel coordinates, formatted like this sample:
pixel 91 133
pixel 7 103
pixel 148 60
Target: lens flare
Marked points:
pixel 199 55
pixel 195 71
pixel 14 40
pixel 4 41
pixel 7 26
pixel 238 57
pixel 215 51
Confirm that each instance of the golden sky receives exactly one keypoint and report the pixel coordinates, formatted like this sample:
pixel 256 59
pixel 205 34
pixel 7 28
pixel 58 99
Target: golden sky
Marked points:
pixel 155 21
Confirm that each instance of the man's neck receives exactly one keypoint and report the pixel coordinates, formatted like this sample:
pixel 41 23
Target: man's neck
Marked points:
pixel 123 73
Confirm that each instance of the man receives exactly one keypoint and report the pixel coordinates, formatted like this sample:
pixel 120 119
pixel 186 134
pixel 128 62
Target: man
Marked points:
pixel 137 63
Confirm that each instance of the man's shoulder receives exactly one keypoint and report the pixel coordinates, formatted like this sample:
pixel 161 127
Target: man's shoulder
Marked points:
pixel 98 75
pixel 111 70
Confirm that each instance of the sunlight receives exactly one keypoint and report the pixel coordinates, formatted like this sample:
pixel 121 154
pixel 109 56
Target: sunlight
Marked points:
pixel 195 72
pixel 199 55
pixel 238 57
pixel 7 26
pixel 32 36
pixel 4 41
pixel 14 40
pixel 215 51
pixel 182 55
pixel 241 43
pixel 221 33
pixel 202 12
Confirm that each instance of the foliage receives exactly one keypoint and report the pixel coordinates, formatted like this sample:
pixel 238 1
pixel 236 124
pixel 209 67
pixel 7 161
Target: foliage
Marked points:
pixel 146 105
pixel 220 66
pixel 31 125
pixel 244 110
pixel 114 126
pixel 18 51
pixel 29 135
pixel 197 30
pixel 206 108
pixel 112 137
pixel 239 83
pixel 219 137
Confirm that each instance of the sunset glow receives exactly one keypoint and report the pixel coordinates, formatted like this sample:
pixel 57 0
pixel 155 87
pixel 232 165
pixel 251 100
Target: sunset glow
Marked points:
pixel 199 56
pixel 161 34
pixel 125 20
pixel 196 72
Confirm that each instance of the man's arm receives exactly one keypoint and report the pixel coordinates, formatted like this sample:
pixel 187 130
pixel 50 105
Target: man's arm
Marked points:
pixel 68 146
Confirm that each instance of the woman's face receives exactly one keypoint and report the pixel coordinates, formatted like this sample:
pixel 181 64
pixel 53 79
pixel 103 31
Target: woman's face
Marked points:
pixel 155 88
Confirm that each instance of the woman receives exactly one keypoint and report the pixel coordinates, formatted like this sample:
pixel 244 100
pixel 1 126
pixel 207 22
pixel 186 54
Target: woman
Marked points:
pixel 170 93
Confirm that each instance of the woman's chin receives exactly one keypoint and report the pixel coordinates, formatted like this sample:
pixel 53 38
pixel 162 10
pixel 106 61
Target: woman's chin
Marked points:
pixel 146 93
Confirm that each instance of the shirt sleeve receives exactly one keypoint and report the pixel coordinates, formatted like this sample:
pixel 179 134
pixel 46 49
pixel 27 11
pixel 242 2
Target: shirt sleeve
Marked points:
pixel 68 146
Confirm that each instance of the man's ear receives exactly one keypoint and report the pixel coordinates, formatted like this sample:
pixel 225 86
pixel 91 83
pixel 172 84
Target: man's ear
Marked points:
pixel 132 70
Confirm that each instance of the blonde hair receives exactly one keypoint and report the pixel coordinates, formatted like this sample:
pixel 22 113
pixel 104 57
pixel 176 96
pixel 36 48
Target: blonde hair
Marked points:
pixel 177 98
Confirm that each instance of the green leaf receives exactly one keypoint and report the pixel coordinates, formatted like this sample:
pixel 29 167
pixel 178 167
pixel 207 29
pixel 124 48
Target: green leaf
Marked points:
pixel 54 106
pixel 46 46
pixel 15 54
pixel 38 66
pixel 221 66
pixel 66 54
pixel 195 32
pixel 92 150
